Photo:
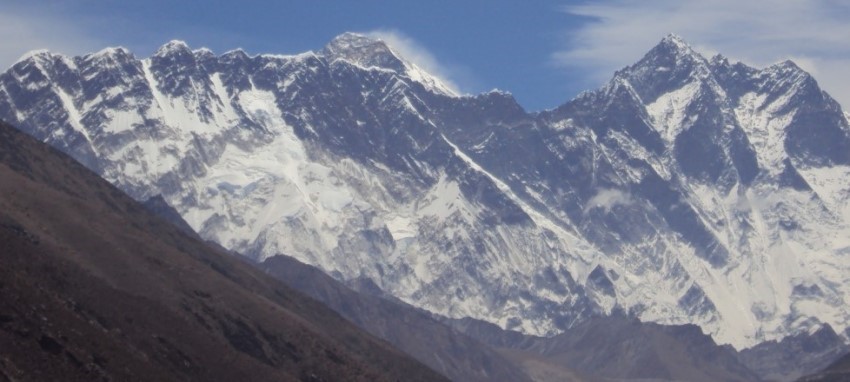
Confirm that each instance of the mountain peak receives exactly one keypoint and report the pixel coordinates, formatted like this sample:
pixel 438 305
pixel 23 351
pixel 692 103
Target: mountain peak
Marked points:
pixel 34 54
pixel 363 51
pixel 668 65
pixel 670 53
pixel 370 52
pixel 788 65
pixel 673 38
pixel 172 47
pixel 353 39
pixel 112 50
pixel 788 70
pixel 110 56
pixel 652 150
pixel 673 43
pixel 203 51
pixel 108 52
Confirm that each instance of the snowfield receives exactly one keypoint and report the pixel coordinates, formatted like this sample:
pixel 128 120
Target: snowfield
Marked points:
pixel 686 190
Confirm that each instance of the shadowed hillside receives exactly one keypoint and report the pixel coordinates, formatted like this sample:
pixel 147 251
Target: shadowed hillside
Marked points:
pixel 94 287
pixel 409 329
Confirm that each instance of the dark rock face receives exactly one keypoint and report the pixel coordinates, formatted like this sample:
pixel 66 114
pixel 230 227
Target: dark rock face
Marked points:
pixel 93 286
pixel 679 191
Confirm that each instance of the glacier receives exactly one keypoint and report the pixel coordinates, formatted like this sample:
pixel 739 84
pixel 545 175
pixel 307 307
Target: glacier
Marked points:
pixel 686 190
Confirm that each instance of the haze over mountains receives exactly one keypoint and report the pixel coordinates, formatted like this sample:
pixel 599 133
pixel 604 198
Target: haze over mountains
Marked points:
pixel 686 190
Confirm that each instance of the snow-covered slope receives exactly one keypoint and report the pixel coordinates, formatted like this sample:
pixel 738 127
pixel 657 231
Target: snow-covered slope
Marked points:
pixel 686 190
pixel 740 168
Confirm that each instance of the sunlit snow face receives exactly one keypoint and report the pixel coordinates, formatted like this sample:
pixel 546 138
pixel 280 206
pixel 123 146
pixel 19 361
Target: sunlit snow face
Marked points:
pixel 368 171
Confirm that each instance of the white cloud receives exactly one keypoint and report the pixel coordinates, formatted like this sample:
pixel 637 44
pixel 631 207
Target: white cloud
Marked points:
pixel 813 33
pixel 414 52
pixel 22 31
pixel 606 199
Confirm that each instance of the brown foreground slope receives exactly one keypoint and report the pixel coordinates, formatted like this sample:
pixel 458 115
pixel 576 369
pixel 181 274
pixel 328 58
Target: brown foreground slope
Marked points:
pixel 618 348
pixel 93 287
pixel 409 329
pixel 839 371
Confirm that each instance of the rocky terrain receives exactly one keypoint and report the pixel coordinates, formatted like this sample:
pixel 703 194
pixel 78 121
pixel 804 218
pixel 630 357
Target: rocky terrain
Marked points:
pixel 687 190
pixel 94 287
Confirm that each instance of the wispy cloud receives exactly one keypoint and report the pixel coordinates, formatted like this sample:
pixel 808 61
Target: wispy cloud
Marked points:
pixel 606 199
pixel 22 31
pixel 813 33
pixel 453 76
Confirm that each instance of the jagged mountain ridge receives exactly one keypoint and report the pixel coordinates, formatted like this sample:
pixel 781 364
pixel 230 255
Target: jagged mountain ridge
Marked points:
pixel 668 193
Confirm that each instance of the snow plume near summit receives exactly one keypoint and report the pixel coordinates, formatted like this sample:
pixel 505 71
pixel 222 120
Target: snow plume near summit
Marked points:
pixel 418 55
pixel 668 193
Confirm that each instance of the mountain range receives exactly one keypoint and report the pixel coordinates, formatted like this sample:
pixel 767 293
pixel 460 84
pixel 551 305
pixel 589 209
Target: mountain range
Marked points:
pixel 687 190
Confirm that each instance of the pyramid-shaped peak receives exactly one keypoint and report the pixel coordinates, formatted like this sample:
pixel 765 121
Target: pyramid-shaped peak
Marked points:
pixel 672 53
pixel 355 44
pixel 788 65
pixel 34 54
pixel 172 47
pixel 362 50
pixel 673 38
pixel 353 40
pixel 666 67
pixel 675 43
pixel 237 54
pixel 203 51
pixel 789 70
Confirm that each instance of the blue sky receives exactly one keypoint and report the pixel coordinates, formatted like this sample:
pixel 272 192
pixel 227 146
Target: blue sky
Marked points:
pixel 544 52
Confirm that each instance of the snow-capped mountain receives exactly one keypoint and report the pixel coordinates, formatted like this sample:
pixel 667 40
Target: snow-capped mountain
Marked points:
pixel 686 190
